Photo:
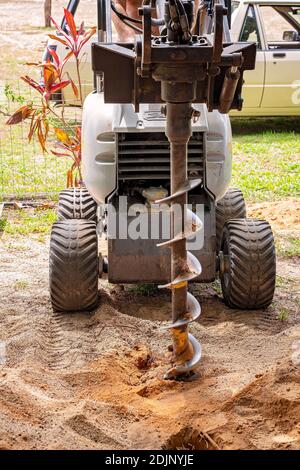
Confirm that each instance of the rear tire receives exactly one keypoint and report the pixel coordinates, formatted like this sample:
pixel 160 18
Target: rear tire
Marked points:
pixel 74 265
pixel 76 203
pixel 231 206
pixel 248 264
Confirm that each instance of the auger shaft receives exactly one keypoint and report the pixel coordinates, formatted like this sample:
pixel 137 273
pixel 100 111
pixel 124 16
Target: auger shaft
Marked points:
pixel 179 112
pixel 179 132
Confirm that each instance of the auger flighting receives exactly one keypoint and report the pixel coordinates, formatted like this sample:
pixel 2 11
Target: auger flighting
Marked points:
pixel 179 77
pixel 179 91
pixel 184 223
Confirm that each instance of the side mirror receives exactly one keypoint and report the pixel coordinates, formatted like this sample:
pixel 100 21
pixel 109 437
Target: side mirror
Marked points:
pixel 290 36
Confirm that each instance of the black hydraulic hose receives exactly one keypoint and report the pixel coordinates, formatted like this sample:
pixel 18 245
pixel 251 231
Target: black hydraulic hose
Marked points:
pixel 126 18
pixel 132 26
pixel 183 19
pixel 181 9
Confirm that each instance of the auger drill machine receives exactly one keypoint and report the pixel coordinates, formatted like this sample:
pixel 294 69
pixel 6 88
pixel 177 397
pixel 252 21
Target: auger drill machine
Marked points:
pixel 157 155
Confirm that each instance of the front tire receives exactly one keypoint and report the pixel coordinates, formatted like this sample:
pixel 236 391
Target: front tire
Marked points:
pixel 248 264
pixel 76 203
pixel 74 265
pixel 231 206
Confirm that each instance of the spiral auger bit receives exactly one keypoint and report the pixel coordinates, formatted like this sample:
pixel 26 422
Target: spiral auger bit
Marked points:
pixel 185 61
pixel 178 91
pixel 184 223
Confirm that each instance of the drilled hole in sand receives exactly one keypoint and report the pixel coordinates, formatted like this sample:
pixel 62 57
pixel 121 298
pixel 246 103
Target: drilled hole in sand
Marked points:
pixel 188 439
pixel 144 362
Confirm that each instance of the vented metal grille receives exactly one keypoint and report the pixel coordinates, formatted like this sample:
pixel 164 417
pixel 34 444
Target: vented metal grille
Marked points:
pixel 146 156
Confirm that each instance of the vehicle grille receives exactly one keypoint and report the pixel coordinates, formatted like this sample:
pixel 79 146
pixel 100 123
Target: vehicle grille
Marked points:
pixel 146 156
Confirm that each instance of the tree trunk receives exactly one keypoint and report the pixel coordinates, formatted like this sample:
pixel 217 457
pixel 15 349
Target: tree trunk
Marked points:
pixel 47 10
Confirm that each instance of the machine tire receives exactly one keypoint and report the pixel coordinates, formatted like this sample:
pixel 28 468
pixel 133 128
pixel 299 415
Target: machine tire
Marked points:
pixel 73 265
pixel 248 264
pixel 76 203
pixel 231 206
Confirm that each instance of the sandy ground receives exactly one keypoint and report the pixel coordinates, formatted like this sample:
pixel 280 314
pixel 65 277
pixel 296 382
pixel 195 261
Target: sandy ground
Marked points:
pixel 94 380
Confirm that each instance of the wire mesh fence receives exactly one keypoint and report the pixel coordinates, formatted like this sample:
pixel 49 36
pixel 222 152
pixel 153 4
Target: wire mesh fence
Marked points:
pixel 25 171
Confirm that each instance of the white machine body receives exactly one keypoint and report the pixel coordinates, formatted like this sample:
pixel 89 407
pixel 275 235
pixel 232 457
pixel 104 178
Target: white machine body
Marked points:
pixel 102 121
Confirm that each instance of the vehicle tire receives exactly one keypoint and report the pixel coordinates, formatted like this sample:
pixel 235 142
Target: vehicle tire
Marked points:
pixel 231 206
pixel 76 203
pixel 74 265
pixel 248 264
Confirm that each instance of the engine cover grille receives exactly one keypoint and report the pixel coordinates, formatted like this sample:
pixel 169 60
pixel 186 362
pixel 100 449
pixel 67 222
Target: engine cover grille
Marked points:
pixel 146 156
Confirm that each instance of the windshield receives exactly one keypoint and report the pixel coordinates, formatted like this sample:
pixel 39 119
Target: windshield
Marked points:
pixel 280 26
pixel 291 14
pixel 294 13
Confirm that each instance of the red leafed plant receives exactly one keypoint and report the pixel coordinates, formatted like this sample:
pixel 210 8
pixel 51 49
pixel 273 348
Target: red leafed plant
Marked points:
pixel 43 118
pixel 70 146
pixel 74 39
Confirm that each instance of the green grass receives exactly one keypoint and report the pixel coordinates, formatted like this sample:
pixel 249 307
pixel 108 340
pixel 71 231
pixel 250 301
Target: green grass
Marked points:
pixel 288 247
pixel 283 314
pixel 281 281
pixel 144 289
pixel 14 244
pixel 24 169
pixel 20 285
pixel 216 285
pixel 25 222
pixel 266 158
pixel 285 283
